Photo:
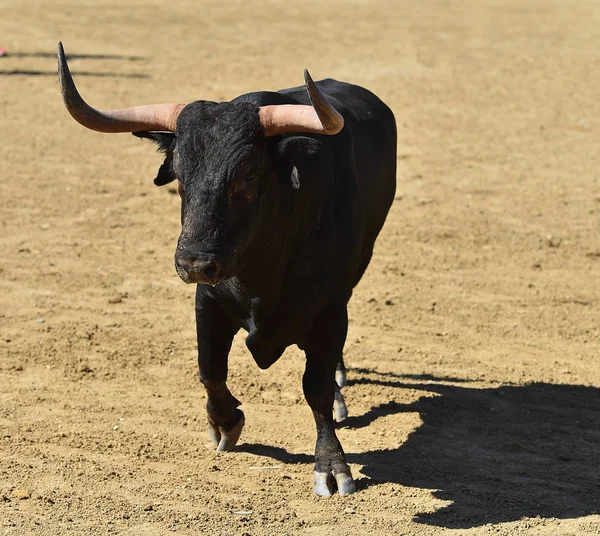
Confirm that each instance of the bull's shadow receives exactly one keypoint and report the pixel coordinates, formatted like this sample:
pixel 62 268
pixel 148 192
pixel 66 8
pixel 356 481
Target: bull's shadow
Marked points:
pixel 52 55
pixel 34 72
pixel 497 454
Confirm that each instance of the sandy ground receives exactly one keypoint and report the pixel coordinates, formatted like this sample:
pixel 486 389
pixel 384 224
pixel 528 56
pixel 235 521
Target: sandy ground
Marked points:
pixel 473 349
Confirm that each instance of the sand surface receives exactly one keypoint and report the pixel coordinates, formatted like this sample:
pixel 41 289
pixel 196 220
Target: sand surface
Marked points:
pixel 474 385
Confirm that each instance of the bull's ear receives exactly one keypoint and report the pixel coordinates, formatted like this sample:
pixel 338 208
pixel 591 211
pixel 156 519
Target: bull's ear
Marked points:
pixel 165 142
pixel 297 155
pixel 165 173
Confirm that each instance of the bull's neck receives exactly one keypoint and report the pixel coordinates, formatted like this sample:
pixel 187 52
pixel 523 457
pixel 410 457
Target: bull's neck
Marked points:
pixel 281 249
pixel 264 268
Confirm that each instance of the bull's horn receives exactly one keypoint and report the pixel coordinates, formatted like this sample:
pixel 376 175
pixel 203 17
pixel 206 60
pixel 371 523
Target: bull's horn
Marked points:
pixel 320 118
pixel 160 117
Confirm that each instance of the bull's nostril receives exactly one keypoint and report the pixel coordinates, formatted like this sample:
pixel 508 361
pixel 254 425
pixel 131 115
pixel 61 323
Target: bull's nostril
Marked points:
pixel 211 270
pixel 182 263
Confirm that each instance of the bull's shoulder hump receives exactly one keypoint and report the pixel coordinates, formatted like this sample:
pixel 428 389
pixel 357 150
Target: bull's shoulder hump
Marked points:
pixel 330 87
pixel 344 95
pixel 298 95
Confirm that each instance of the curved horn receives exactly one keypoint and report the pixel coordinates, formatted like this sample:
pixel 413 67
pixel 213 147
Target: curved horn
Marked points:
pixel 161 117
pixel 320 118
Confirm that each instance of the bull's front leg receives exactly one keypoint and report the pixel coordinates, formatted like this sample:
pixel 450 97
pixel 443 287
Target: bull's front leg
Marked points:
pixel 323 351
pixel 215 331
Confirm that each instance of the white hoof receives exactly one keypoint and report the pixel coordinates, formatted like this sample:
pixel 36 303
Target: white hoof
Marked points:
pixel 340 378
pixel 340 411
pixel 226 440
pixel 323 483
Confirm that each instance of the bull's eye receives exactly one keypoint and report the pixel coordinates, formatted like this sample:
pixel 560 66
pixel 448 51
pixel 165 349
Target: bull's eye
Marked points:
pixel 250 178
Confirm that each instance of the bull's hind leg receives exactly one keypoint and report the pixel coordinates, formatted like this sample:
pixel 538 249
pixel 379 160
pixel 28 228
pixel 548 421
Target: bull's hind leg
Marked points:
pixel 340 411
pixel 215 332
pixel 323 349
pixel 340 373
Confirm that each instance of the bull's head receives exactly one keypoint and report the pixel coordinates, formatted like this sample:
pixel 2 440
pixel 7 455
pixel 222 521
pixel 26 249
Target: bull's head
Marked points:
pixel 218 153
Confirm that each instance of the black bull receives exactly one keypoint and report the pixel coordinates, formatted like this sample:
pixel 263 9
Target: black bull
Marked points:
pixel 277 229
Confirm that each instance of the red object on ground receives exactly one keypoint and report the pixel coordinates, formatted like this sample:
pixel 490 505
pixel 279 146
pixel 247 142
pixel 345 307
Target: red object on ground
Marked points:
pixel 3 52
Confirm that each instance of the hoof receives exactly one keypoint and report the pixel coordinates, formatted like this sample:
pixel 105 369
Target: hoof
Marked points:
pixel 323 483
pixel 226 439
pixel 345 483
pixel 340 411
pixel 340 377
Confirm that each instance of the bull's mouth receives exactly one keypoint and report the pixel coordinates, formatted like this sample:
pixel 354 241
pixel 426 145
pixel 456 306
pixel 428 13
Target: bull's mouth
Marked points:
pixel 198 277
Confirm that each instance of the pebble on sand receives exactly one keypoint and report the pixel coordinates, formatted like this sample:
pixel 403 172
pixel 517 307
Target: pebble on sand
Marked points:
pixel 21 494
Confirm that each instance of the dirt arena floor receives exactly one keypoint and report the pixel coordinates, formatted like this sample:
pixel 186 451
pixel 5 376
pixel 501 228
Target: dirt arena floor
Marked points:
pixel 474 385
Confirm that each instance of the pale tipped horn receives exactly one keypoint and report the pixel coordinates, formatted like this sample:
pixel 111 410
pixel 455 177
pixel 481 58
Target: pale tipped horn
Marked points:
pixel 320 118
pixel 158 117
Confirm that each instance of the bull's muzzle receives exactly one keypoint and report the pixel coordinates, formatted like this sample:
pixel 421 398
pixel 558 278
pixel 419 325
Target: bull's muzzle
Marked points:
pixel 209 271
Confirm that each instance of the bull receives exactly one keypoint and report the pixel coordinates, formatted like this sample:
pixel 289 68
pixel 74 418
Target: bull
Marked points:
pixel 282 197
